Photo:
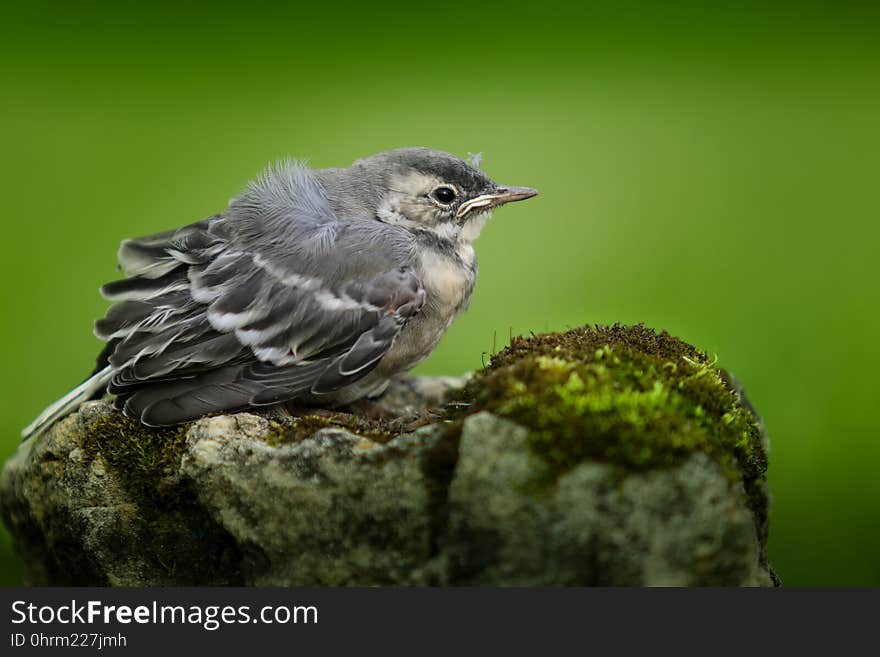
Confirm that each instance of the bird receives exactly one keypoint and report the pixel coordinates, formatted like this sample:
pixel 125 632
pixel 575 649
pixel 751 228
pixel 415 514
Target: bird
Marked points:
pixel 314 286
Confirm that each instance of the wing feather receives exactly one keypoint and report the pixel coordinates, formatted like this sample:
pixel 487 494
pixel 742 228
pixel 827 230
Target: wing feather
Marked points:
pixel 277 298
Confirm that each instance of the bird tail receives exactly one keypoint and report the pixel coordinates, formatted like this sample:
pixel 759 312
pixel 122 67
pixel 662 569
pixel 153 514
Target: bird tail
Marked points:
pixel 67 404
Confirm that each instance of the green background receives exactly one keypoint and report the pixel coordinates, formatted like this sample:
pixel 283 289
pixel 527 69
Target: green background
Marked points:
pixel 707 169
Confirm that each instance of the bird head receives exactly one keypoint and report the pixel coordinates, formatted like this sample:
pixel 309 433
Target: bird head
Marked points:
pixel 425 189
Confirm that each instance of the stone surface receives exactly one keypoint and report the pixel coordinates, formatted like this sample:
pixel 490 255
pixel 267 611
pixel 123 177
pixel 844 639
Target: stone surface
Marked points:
pixel 339 509
pixel 464 502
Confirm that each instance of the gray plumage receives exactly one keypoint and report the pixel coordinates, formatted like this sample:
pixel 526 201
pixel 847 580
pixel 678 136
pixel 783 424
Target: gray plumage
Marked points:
pixel 313 285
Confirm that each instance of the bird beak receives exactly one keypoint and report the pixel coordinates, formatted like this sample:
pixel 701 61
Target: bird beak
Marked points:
pixel 500 196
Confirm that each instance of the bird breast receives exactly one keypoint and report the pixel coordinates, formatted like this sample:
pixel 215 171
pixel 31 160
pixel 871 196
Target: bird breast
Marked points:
pixel 448 281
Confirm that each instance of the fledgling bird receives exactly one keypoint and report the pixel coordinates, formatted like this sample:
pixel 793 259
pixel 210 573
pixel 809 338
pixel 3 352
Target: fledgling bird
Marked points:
pixel 315 286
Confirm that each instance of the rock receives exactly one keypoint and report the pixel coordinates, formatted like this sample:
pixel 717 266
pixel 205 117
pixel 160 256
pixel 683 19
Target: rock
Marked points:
pixel 605 456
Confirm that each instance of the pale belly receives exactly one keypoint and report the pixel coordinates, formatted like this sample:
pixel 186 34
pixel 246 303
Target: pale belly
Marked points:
pixel 414 344
pixel 448 288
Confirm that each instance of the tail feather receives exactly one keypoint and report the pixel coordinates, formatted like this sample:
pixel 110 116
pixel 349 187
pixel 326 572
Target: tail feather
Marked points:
pixel 68 403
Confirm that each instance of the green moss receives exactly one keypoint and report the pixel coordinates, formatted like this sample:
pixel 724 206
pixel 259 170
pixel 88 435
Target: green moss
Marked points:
pixel 375 430
pixel 623 395
pixel 143 456
pixel 147 459
pixel 176 535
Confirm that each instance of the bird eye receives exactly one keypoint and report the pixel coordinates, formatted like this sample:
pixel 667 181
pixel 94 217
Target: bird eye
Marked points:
pixel 444 195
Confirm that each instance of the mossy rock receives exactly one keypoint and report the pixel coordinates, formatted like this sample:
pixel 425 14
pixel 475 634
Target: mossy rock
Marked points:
pixel 603 455
pixel 623 395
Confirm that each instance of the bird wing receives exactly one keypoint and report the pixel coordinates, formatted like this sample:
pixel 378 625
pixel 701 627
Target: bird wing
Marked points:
pixel 274 299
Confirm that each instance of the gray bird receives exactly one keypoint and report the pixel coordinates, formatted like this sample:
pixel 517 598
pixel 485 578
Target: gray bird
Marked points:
pixel 314 286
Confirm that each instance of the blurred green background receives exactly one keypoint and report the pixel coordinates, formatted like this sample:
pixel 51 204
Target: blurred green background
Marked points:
pixel 707 169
